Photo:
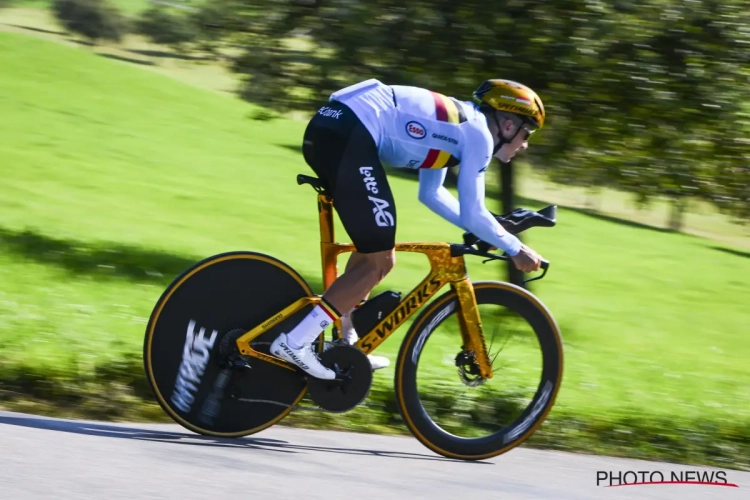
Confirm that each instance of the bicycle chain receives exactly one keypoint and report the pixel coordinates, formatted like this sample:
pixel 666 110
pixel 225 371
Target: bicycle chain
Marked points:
pixel 279 403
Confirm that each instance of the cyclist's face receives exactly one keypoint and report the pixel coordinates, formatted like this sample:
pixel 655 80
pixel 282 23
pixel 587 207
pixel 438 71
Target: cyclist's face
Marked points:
pixel 518 141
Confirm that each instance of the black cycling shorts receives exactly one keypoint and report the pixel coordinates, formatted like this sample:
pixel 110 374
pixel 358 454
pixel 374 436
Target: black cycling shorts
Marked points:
pixel 343 154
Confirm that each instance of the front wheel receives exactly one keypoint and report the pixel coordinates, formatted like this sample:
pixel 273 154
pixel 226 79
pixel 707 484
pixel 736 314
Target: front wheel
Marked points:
pixel 444 401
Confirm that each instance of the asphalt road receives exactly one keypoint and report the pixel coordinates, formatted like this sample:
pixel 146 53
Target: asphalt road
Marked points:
pixel 45 458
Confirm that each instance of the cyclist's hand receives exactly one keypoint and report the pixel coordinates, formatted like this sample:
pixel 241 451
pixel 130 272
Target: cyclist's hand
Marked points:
pixel 527 260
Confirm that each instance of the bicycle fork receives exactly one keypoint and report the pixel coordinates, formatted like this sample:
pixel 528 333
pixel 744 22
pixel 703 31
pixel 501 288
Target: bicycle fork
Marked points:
pixel 472 333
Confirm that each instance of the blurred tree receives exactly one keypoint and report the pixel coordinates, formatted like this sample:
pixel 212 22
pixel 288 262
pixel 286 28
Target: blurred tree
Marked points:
pixel 210 23
pixel 656 104
pixel 647 97
pixel 94 19
pixel 166 26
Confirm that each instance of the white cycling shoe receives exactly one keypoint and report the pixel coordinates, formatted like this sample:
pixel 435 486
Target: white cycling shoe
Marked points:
pixel 304 357
pixel 378 362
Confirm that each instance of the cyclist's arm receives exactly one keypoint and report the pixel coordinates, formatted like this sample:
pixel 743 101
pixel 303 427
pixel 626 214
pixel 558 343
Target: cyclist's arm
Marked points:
pixel 470 213
pixel 436 197
pixel 474 216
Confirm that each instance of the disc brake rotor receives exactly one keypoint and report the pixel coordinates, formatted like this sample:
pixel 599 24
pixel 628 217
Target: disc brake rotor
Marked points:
pixel 468 369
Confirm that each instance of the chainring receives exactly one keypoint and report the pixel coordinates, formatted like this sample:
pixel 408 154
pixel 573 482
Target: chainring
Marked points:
pixel 351 385
pixel 229 354
pixel 228 344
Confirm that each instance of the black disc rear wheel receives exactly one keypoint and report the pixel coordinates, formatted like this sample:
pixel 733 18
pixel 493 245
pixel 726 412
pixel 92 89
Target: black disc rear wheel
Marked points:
pixel 185 351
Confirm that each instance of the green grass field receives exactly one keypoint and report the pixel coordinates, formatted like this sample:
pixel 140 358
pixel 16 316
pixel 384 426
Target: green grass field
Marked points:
pixel 114 179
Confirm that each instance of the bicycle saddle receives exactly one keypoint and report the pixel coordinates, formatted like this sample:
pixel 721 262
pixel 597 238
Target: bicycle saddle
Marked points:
pixel 316 183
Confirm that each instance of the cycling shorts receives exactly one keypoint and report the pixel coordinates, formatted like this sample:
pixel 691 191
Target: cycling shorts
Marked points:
pixel 343 154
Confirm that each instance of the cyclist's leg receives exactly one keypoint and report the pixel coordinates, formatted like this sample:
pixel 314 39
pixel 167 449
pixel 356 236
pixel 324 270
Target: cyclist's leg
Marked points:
pixel 365 205
pixel 348 333
pixel 367 211
pixel 362 198
pixel 341 151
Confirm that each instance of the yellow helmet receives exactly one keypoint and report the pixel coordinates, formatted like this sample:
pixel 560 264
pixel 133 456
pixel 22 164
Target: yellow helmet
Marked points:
pixel 512 97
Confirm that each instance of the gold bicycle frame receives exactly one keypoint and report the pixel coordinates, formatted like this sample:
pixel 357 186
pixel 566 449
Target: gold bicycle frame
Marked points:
pixel 445 269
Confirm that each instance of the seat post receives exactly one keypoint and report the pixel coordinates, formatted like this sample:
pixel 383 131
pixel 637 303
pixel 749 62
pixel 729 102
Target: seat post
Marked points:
pixel 325 216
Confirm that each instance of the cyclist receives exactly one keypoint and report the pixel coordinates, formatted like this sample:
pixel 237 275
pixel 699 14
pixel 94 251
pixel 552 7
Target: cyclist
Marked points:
pixel 369 124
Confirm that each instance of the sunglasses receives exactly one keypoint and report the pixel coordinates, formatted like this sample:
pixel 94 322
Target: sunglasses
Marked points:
pixel 526 132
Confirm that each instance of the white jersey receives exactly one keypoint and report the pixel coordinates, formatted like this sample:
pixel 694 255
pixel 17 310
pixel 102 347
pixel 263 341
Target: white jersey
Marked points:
pixel 419 129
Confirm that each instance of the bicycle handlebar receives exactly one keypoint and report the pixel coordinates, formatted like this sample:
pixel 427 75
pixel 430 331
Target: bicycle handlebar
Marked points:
pixel 514 222
pixel 545 267
pixel 470 250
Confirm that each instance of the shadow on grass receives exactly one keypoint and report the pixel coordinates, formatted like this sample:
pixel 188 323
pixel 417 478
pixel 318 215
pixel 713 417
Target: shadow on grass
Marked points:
pixel 128 59
pixel 39 30
pixel 168 55
pixel 86 43
pixel 732 251
pixel 617 220
pixel 77 257
pixel 102 260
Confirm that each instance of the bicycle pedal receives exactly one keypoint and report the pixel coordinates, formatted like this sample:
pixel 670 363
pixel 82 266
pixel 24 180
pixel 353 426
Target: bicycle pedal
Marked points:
pixel 328 344
pixel 351 385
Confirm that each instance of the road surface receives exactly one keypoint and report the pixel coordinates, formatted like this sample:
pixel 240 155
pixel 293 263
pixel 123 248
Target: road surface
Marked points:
pixel 44 458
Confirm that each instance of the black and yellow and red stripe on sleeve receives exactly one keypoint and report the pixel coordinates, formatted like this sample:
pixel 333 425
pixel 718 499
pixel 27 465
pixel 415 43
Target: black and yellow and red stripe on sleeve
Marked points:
pixel 446 110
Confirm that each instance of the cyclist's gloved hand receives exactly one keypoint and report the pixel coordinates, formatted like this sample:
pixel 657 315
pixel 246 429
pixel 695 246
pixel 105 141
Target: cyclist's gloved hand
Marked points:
pixel 527 260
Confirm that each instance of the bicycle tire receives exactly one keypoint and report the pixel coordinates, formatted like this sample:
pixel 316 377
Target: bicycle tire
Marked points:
pixel 412 410
pixel 246 288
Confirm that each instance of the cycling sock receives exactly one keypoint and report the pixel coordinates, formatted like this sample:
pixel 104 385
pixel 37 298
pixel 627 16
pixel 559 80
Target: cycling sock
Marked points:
pixel 309 328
